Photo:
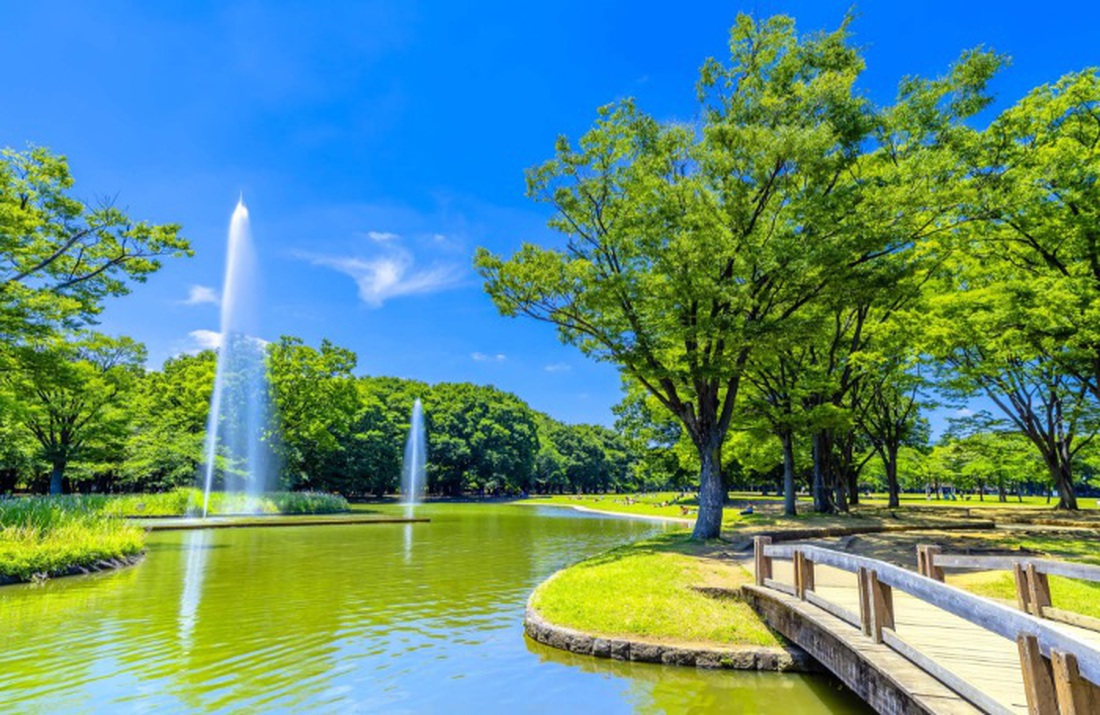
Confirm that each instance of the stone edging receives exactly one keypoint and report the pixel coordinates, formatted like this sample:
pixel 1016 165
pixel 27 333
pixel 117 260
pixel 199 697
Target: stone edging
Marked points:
pixel 101 565
pixel 788 659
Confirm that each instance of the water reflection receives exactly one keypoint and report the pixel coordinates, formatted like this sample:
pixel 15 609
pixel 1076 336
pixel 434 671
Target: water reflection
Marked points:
pixel 649 688
pixel 194 554
pixel 408 550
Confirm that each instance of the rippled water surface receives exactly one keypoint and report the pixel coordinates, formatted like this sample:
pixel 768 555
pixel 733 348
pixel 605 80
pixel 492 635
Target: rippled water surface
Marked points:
pixel 358 618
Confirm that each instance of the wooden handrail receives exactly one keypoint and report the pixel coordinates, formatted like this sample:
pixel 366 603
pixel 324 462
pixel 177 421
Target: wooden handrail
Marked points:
pixel 1033 594
pixel 1085 572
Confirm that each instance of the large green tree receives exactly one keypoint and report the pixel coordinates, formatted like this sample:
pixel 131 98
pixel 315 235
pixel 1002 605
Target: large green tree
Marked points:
pixel 983 350
pixel 1037 181
pixel 61 256
pixel 687 243
pixel 72 393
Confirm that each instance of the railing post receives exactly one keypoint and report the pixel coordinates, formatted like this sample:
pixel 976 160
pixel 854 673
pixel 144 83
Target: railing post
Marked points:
pixel 1023 591
pixel 1038 677
pixel 762 563
pixel 1038 589
pixel 803 574
pixel 881 600
pixel 1076 695
pixel 864 600
pixel 926 561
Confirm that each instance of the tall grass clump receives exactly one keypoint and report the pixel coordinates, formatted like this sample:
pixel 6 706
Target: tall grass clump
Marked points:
pixel 51 535
pixel 187 501
pixel 308 503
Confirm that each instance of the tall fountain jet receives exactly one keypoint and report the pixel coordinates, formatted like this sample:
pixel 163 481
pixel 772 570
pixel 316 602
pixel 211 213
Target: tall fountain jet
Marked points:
pixel 238 405
pixel 415 468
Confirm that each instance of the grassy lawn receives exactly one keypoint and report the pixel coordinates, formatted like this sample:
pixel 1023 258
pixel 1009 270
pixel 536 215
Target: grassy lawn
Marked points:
pixel 645 590
pixel 685 505
pixel 767 512
pixel 990 502
pixel 43 536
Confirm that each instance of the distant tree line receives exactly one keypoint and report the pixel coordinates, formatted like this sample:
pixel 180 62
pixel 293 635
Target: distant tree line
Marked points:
pixel 92 418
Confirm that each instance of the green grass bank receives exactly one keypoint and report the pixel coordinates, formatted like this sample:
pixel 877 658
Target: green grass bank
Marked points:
pixel 666 589
pixel 42 537
pixel 57 535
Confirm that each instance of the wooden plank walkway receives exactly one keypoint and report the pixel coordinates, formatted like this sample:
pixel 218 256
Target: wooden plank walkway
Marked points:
pixel 987 661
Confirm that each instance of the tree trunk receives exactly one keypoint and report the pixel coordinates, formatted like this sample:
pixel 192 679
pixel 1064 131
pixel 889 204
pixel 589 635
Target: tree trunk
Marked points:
pixel 1062 476
pixel 55 477
pixel 712 495
pixel 890 464
pixel 820 490
pixel 840 497
pixel 853 486
pixel 788 474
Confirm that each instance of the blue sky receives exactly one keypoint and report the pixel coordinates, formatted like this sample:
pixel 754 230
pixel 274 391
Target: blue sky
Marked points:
pixel 379 143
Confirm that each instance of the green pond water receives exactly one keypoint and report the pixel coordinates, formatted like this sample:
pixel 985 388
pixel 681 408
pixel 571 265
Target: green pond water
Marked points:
pixel 360 618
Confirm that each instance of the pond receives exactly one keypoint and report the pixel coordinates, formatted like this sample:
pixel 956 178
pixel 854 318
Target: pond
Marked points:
pixel 360 618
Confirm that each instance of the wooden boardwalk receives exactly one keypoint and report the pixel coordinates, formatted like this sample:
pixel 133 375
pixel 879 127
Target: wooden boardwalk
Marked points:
pixel 988 662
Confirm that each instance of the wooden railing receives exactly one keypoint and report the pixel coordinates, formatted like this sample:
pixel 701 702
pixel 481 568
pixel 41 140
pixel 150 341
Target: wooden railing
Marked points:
pixel 1031 575
pixel 1061 673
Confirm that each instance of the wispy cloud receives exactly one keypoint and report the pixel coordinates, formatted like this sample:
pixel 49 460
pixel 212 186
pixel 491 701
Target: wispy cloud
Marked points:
pixel 199 294
pixel 382 236
pixel 205 340
pixel 483 357
pixel 963 412
pixel 558 367
pixel 390 275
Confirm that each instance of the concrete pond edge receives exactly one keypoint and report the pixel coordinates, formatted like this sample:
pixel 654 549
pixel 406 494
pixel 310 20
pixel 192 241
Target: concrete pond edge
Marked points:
pixel 783 659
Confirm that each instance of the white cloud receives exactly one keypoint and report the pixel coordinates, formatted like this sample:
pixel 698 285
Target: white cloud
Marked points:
pixel 963 412
pixel 198 295
pixel 390 275
pixel 382 236
pixel 199 340
pixel 205 339
pixel 558 367
pixel 482 357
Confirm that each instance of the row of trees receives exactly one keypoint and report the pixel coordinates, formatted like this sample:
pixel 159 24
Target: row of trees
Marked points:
pixel 85 414
pixel 803 268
